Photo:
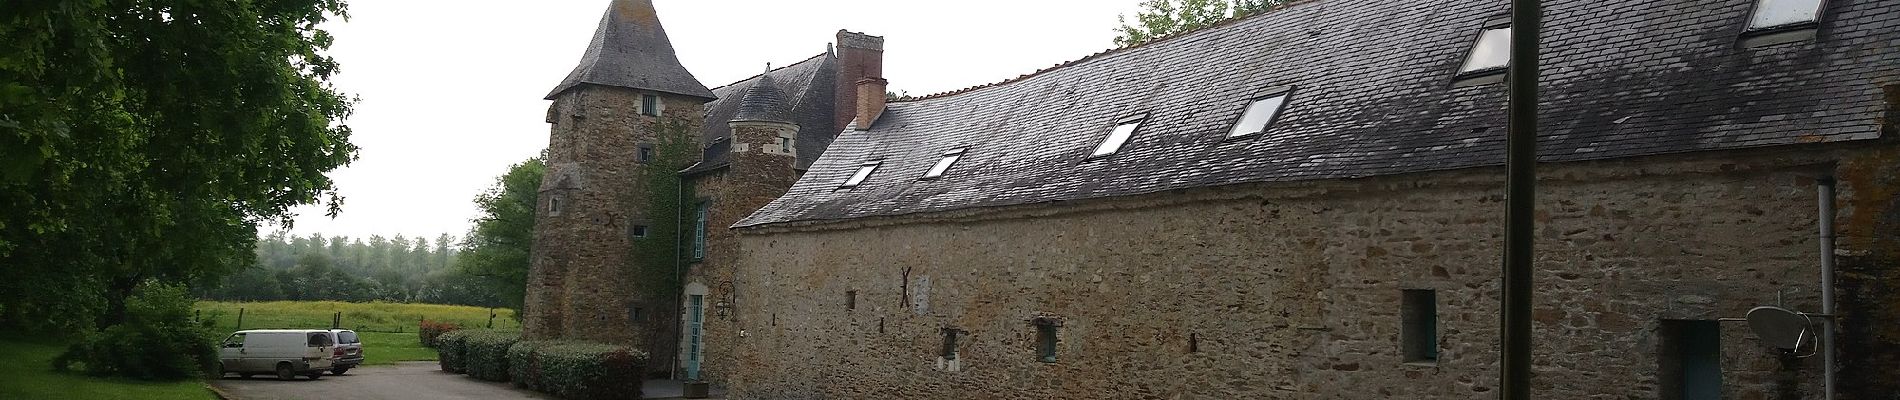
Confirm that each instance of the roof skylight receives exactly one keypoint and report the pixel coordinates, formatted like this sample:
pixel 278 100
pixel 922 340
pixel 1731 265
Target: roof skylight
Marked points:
pixel 949 158
pixel 1259 115
pixel 1492 51
pixel 1784 13
pixel 858 177
pixel 1117 137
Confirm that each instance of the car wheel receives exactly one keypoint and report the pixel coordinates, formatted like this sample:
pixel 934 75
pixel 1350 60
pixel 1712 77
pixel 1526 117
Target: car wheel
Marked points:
pixel 284 372
pixel 339 370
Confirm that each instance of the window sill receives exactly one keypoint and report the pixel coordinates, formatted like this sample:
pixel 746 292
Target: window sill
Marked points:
pixel 1433 364
pixel 1779 35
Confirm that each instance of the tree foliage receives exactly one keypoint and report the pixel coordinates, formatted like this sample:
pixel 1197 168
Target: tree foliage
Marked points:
pixel 147 139
pixel 157 341
pixel 498 246
pixel 1160 18
pixel 339 268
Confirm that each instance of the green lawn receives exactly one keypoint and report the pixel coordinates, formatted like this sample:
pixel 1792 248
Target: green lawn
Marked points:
pixel 26 373
pixel 387 348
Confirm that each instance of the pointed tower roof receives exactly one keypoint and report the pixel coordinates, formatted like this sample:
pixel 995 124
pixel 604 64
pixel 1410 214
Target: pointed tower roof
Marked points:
pixel 763 102
pixel 630 50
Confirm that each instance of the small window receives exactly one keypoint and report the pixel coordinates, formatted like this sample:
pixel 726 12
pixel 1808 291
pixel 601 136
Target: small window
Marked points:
pixel 1258 116
pixel 650 105
pixel 1774 14
pixel 858 177
pixel 645 154
pixel 699 232
pixel 1118 137
pixel 950 158
pixel 851 300
pixel 785 145
pixel 1418 314
pixel 1046 341
pixel 639 231
pixel 554 206
pixel 949 351
pixel 636 314
pixel 1491 53
pixel 1690 360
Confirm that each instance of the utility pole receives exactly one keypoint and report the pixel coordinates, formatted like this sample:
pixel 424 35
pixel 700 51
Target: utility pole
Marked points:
pixel 1520 195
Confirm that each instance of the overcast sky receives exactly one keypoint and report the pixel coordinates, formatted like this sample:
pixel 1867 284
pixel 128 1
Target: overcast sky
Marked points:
pixel 451 90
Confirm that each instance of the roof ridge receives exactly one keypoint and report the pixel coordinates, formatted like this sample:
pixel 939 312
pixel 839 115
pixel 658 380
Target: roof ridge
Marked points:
pixel 807 59
pixel 1217 24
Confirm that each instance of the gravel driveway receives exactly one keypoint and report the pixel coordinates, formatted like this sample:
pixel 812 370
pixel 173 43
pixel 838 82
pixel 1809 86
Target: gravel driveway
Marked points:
pixel 405 381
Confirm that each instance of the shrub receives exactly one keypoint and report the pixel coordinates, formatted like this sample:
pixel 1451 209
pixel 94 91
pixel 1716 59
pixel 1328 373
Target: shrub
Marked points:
pixel 432 329
pixel 577 370
pixel 157 341
pixel 485 353
pixel 450 347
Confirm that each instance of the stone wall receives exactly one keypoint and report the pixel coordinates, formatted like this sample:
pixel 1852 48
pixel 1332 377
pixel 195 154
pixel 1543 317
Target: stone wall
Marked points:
pixel 579 287
pixel 758 173
pixel 1292 290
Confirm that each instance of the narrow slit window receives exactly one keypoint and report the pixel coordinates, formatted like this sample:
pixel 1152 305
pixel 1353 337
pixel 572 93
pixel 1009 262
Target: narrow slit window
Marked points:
pixel 1116 138
pixel 1419 325
pixel 699 232
pixel 864 171
pixel 644 154
pixel 1046 341
pixel 639 231
pixel 949 351
pixel 1259 115
pixel 943 165
pixel 1772 14
pixel 1491 53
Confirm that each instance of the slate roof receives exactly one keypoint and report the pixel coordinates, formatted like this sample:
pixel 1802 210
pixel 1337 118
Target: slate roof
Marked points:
pixel 763 102
pixel 808 91
pixel 1372 96
pixel 630 50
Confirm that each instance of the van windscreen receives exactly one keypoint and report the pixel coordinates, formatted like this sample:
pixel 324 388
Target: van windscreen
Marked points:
pixel 320 340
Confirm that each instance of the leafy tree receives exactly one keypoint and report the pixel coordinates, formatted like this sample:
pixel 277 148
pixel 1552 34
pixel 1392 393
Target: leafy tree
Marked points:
pixel 497 248
pixel 147 139
pixel 1160 18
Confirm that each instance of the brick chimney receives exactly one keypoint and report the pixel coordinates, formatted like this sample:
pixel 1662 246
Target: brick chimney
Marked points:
pixel 870 101
pixel 860 57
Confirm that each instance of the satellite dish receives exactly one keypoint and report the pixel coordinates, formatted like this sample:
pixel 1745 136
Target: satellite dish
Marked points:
pixel 1781 328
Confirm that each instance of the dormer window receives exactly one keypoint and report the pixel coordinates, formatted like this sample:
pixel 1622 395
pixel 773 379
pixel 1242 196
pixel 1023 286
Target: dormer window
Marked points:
pixel 864 171
pixel 1118 137
pixel 1782 14
pixel 1491 53
pixel 949 158
pixel 1259 115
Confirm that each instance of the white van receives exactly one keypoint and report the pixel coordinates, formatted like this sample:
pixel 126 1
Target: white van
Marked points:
pixel 285 352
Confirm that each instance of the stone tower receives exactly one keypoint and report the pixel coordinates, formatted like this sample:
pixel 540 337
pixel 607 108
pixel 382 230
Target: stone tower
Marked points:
pixel 764 143
pixel 602 134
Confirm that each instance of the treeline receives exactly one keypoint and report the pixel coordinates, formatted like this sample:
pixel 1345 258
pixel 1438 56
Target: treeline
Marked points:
pixel 398 269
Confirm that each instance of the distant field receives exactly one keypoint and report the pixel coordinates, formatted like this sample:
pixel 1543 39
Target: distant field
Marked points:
pixel 388 330
pixel 26 372
pixel 362 317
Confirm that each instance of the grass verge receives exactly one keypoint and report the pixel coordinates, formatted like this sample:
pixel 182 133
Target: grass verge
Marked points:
pixel 362 317
pixel 26 372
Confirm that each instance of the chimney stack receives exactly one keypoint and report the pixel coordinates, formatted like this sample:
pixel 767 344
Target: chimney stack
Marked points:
pixel 860 57
pixel 870 101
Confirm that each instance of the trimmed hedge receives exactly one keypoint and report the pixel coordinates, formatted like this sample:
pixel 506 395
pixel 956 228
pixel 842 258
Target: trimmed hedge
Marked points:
pixel 578 370
pixel 485 353
pixel 450 348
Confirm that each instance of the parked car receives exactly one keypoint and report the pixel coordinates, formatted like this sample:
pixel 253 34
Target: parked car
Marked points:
pixel 349 351
pixel 284 352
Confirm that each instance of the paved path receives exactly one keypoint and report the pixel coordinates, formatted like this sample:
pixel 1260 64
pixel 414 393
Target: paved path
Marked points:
pixel 404 381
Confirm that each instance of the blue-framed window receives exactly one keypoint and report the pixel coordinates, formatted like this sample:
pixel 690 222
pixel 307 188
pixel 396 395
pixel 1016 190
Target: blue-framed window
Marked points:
pixel 699 232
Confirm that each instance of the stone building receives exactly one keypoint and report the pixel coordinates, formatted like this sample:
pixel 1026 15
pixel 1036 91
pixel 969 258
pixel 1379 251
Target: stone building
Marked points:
pixel 1306 203
pixel 755 138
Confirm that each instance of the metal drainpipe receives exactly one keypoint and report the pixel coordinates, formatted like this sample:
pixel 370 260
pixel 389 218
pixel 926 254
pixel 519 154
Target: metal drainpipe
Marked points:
pixel 1520 211
pixel 679 233
pixel 1826 193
